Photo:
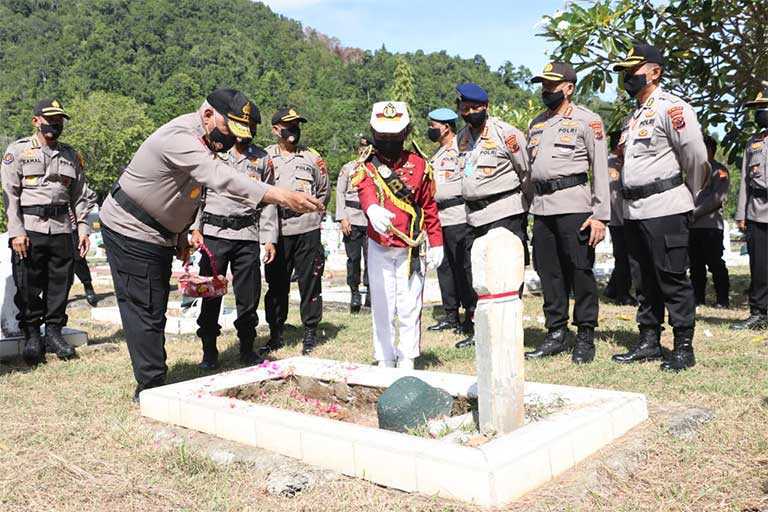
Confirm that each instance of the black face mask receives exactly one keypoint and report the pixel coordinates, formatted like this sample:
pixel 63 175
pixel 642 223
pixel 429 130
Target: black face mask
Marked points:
pixel 552 100
pixel 220 142
pixel 761 118
pixel 51 131
pixel 634 84
pixel 433 134
pixel 389 149
pixel 475 119
pixel 292 134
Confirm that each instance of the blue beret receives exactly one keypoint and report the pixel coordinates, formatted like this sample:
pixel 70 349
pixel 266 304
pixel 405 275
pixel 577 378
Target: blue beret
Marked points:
pixel 472 92
pixel 443 115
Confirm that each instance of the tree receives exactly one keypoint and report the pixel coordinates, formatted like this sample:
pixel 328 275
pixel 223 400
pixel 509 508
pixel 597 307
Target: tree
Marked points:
pixel 715 52
pixel 106 129
pixel 403 87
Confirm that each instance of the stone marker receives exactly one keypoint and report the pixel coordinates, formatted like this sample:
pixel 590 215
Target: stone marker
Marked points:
pixel 410 403
pixel 497 274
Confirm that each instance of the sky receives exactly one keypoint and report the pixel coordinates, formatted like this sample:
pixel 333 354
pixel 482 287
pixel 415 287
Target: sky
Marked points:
pixel 499 30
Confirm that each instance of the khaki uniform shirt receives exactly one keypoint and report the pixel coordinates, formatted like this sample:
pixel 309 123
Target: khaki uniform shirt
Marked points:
pixel 754 171
pixel 615 163
pixel 166 178
pixel 663 138
pixel 567 145
pixel 494 163
pixel 256 165
pixel 708 212
pixel 35 175
pixel 347 193
pixel 448 184
pixel 302 171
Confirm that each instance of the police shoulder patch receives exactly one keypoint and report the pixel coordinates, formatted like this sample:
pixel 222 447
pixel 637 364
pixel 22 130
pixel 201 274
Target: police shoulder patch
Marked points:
pixel 8 158
pixel 676 115
pixel 511 143
pixel 80 160
pixel 597 129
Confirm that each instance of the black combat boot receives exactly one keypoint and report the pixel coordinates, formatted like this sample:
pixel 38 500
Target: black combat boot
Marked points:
pixel 90 295
pixel 34 348
pixel 449 321
pixel 756 322
pixel 356 301
pixel 584 351
pixel 367 299
pixel 468 328
pixel 310 341
pixel 210 354
pixel 682 356
pixel 248 356
pixel 275 339
pixel 554 343
pixel 55 342
pixel 648 347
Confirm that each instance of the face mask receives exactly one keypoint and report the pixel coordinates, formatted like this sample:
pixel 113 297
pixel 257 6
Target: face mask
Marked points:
pixel 51 131
pixel 243 143
pixel 292 134
pixel 634 84
pixel 220 142
pixel 761 118
pixel 433 134
pixel 389 149
pixel 552 100
pixel 475 119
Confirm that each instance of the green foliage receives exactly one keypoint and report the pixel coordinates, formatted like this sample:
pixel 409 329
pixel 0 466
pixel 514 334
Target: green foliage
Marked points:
pixel 106 129
pixel 715 52
pixel 402 87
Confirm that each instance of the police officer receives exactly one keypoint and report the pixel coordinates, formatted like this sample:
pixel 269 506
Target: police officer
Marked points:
pixel 665 164
pixel 231 230
pixel 752 215
pixel 570 210
pixel 353 228
pixel 625 269
pixel 80 265
pixel 146 217
pixel 42 180
pixel 299 247
pixel 495 175
pixel 396 192
pixel 452 273
pixel 706 244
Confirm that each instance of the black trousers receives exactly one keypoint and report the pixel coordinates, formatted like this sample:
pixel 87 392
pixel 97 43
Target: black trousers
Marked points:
pixel 757 245
pixel 305 254
pixel 660 246
pixel 563 259
pixel 625 269
pixel 706 251
pixel 452 274
pixel 356 247
pixel 141 273
pixel 43 280
pixel 243 257
pixel 82 271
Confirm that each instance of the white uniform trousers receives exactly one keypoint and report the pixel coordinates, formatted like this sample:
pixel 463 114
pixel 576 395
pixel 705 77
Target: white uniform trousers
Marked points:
pixel 394 295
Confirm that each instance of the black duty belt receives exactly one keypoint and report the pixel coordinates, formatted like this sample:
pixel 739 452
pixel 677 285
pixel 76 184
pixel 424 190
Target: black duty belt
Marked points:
pixel 130 206
pixel 657 187
pixel 480 204
pixel 758 191
pixel 553 185
pixel 46 210
pixel 287 213
pixel 448 203
pixel 352 204
pixel 234 222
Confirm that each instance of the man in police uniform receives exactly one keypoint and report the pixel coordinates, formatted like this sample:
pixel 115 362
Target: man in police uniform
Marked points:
pixel 146 217
pixel 706 244
pixel 454 273
pixel 42 180
pixel 299 247
pixel 231 231
pixel 495 174
pixel 665 164
pixel 565 143
pixel 353 228
pixel 396 192
pixel 752 215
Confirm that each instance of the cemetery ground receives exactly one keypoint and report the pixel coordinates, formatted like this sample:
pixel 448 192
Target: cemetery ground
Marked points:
pixel 72 440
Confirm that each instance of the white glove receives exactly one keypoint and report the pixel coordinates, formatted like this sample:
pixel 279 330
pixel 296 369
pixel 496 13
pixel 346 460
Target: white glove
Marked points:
pixel 434 257
pixel 380 218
